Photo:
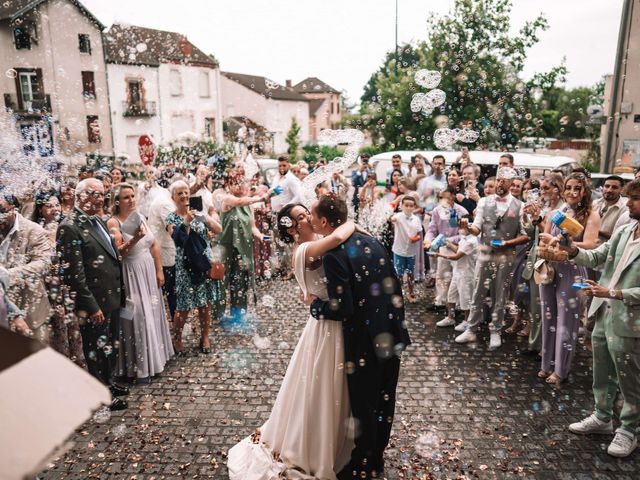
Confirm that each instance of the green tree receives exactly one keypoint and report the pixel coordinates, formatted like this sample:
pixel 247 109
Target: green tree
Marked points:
pixel 293 140
pixel 480 61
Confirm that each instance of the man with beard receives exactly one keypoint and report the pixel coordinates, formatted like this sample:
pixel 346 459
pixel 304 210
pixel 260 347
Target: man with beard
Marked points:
pixel 290 190
pixel 497 222
pixel 616 336
pixel 610 207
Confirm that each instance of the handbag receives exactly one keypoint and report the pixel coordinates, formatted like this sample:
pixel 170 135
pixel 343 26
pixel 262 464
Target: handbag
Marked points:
pixel 216 272
pixel 543 272
pixel 126 312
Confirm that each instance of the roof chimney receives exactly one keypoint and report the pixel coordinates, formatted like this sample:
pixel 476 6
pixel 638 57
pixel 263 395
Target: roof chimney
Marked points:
pixel 186 47
pixel 288 83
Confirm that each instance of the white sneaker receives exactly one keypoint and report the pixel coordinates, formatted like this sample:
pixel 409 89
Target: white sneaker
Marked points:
pixel 461 327
pixel 622 444
pixel 495 341
pixel 591 424
pixel 466 337
pixel 446 322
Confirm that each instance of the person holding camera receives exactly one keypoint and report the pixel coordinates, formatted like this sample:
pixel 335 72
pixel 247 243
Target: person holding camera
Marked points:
pixel 359 177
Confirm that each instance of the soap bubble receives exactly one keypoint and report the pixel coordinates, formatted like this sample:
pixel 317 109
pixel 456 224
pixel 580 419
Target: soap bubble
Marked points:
pixel 268 301
pixel 102 415
pixel 428 78
pixel 141 47
pixel 11 73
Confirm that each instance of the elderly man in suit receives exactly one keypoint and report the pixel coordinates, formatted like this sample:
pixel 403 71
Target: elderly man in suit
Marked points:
pixel 616 335
pixel 25 251
pixel 91 268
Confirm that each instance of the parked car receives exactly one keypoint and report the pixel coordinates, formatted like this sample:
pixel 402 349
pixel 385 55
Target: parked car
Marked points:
pixel 268 168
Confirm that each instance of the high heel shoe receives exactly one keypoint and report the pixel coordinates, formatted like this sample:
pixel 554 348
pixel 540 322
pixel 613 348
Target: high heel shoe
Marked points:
pixel 203 349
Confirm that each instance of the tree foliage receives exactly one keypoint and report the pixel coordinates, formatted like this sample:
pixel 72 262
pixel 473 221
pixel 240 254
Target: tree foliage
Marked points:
pixel 293 139
pixel 481 63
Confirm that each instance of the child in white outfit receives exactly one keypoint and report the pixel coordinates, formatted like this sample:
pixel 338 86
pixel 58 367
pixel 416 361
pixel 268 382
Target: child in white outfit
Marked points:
pixel 461 287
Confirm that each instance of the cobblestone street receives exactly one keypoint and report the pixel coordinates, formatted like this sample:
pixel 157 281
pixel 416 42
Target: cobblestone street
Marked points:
pixel 475 413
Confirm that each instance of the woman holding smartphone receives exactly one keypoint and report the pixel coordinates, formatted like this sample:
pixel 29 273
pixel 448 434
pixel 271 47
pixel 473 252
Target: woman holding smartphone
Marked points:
pixel 191 294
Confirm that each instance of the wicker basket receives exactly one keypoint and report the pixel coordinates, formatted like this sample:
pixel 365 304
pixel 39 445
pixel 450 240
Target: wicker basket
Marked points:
pixel 552 254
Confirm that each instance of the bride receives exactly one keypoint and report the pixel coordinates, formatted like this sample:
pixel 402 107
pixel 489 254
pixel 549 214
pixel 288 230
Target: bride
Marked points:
pixel 309 434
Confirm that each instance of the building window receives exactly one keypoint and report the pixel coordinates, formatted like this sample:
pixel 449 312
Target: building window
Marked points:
pixel 331 108
pixel 135 93
pixel 210 127
pixel 29 87
pixel 175 83
pixel 93 129
pixel 22 38
pixel 205 89
pixel 84 43
pixel 88 85
pixel 338 107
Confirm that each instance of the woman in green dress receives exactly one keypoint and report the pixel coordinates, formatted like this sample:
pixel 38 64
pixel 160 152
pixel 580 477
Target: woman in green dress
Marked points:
pixel 236 240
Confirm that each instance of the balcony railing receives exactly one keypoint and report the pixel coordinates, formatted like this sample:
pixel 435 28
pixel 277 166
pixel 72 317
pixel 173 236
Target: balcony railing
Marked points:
pixel 39 105
pixel 142 109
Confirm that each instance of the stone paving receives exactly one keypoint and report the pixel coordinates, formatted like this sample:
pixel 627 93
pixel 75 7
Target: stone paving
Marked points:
pixel 462 411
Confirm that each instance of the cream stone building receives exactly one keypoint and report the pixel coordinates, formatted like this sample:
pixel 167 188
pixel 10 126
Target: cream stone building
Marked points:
pixel 54 77
pixel 160 85
pixel 620 135
pixel 324 104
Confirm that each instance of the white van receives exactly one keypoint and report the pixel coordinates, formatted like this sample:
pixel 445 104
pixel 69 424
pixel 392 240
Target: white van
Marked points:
pixel 535 163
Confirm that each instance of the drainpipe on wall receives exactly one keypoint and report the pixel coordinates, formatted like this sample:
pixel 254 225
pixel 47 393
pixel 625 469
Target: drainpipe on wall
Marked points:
pixel 106 76
pixel 625 26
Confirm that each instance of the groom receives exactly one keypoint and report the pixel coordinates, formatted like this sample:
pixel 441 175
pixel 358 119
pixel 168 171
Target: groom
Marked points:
pixel 366 296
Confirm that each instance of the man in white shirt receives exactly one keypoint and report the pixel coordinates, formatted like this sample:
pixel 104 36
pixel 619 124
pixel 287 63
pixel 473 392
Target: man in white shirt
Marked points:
pixel 291 188
pixel 396 164
pixel 158 213
pixel 497 223
pixel 610 206
pixel 147 191
pixel 291 192
pixel 199 189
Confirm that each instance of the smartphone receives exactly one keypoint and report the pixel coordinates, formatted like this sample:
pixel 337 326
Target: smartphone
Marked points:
pixel 195 203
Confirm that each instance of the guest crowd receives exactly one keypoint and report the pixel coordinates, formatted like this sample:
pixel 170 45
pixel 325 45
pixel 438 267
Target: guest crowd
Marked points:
pixel 108 270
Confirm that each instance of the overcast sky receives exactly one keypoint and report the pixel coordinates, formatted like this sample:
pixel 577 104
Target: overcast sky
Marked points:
pixel 344 41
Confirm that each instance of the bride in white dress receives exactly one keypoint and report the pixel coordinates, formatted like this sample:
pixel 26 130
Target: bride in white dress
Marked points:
pixel 309 433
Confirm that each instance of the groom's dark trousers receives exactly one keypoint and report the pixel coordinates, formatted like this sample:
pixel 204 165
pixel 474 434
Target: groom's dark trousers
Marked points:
pixel 365 295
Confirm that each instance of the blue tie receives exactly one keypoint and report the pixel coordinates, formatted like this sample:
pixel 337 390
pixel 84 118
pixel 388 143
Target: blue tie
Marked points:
pixel 103 233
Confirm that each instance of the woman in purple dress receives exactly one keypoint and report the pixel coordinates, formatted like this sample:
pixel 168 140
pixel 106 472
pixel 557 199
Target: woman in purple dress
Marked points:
pixel 560 304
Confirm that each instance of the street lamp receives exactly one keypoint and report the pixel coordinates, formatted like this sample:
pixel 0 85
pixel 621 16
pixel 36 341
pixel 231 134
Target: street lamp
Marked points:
pixel 396 65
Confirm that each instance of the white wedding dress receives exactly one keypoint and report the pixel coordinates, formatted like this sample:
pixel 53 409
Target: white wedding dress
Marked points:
pixel 309 434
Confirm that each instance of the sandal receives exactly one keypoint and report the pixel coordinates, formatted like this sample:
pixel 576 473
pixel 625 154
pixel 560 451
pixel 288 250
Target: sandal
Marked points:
pixel 525 331
pixel 543 374
pixel 203 349
pixel 514 327
pixel 554 379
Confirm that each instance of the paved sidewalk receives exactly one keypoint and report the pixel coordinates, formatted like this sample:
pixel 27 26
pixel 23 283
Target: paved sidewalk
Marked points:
pixel 462 412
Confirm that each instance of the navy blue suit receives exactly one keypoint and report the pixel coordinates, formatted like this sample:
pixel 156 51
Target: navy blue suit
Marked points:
pixel 366 296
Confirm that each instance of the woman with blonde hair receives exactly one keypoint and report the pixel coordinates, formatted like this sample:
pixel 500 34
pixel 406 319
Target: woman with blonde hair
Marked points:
pixel 192 294
pixel 145 339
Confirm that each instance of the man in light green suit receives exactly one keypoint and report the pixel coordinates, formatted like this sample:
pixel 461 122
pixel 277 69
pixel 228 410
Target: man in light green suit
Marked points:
pixel 616 335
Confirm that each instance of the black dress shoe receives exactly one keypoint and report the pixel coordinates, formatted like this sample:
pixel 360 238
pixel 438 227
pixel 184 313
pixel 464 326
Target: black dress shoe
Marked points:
pixel 528 352
pixel 119 391
pixel 118 404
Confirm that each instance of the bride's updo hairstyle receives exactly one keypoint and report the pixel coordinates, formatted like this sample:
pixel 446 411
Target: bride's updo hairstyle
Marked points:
pixel 286 221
